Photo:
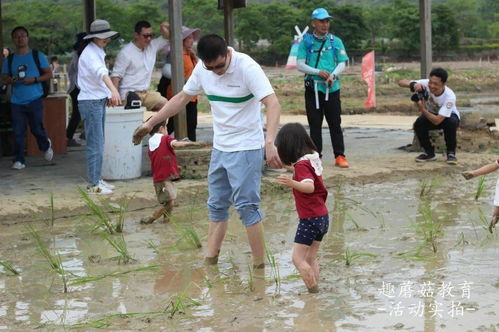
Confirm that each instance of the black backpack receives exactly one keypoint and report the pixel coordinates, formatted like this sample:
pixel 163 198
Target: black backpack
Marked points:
pixel 36 58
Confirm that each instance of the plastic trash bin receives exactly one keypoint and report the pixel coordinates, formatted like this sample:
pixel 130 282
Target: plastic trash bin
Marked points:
pixel 122 159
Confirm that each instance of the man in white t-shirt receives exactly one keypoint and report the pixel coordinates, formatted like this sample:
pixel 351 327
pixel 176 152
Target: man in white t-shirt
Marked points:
pixel 437 103
pixel 236 86
pixel 134 65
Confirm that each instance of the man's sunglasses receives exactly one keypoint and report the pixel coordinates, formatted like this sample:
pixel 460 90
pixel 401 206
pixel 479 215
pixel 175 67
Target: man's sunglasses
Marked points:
pixel 148 36
pixel 217 67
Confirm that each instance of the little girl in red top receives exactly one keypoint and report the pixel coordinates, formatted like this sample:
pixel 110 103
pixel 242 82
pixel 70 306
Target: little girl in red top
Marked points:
pixel 296 148
pixel 164 170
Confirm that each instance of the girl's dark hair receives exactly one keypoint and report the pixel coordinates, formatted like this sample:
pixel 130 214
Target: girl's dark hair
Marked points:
pixel 155 129
pixel 293 143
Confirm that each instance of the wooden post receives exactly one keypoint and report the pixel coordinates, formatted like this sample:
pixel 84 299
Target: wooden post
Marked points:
pixel 176 55
pixel 229 22
pixel 425 37
pixel 88 14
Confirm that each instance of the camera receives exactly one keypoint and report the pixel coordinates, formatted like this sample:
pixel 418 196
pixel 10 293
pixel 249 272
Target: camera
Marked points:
pixel 423 95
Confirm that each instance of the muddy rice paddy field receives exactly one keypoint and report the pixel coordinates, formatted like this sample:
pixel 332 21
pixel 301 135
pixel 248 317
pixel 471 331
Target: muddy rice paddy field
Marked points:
pixel 409 255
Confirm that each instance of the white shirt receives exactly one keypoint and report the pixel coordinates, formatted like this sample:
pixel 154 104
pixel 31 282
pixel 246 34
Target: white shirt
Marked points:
pixel 91 72
pixel 445 104
pixel 135 66
pixel 235 102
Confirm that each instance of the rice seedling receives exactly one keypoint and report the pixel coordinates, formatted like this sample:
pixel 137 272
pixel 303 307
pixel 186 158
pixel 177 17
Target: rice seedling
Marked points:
pixel 480 188
pixel 50 222
pixel 54 260
pixel 427 187
pixel 483 219
pixel 179 303
pixel 121 210
pixel 103 219
pixel 461 242
pixel 84 280
pixel 250 278
pixel 376 215
pixel 428 228
pixel 105 321
pixel 9 268
pixel 349 256
pixel 186 234
pixel 119 244
pixel 150 244
pixel 274 266
pixel 355 223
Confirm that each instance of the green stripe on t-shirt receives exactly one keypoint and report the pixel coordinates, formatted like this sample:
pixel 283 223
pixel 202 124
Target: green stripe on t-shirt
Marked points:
pixel 230 99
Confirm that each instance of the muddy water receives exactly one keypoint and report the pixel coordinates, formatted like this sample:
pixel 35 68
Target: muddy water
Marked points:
pixel 387 286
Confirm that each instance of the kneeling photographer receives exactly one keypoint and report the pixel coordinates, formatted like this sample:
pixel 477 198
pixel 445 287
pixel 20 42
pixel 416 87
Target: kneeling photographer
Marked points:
pixel 437 104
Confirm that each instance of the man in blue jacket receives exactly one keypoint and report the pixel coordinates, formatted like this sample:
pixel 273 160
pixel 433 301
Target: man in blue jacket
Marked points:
pixel 24 70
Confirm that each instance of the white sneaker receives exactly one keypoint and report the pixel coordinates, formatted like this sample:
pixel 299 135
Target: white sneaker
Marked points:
pixel 18 165
pixel 49 154
pixel 106 185
pixel 98 190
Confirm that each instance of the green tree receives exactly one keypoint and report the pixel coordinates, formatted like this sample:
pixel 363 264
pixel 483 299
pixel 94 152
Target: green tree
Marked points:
pixel 445 34
pixel 404 26
pixel 249 26
pixel 348 24
pixel 43 20
pixel 203 14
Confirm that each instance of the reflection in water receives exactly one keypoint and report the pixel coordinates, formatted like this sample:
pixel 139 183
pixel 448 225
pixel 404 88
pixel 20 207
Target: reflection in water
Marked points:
pixel 234 297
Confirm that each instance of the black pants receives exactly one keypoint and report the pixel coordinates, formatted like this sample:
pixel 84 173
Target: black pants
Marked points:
pixel 422 126
pixel 191 113
pixel 331 109
pixel 75 119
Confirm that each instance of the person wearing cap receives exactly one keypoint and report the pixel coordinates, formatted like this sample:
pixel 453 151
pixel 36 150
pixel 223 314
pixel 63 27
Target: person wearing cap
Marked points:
pixel 96 90
pixel 189 36
pixel 24 70
pixel 235 86
pixel 134 65
pixel 322 57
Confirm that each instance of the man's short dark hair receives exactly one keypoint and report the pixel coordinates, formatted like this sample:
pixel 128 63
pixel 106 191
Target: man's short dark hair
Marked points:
pixel 141 24
pixel 210 47
pixel 441 73
pixel 155 129
pixel 20 27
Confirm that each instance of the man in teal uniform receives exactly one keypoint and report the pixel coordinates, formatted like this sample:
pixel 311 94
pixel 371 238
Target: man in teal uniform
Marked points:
pixel 322 57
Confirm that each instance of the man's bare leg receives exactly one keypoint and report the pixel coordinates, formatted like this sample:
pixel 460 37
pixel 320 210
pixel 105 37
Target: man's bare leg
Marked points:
pixel 257 243
pixel 216 234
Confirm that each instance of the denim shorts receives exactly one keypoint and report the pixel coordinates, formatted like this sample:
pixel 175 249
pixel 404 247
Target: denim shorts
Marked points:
pixel 311 229
pixel 235 178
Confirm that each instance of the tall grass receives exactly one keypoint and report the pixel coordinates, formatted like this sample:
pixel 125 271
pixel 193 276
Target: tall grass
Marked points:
pixel 53 259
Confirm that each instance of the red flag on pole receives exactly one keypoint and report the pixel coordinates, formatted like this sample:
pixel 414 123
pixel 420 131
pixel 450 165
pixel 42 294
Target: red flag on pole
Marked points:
pixel 368 77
